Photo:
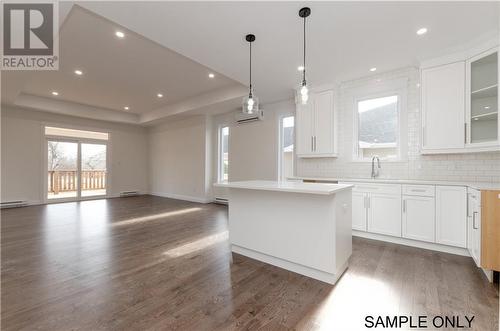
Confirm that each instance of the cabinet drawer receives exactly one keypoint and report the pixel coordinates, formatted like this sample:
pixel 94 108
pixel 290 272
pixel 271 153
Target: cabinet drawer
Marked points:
pixel 419 190
pixel 375 188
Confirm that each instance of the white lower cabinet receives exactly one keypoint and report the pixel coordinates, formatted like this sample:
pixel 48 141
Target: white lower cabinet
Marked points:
pixel 384 214
pixel 376 208
pixel 419 221
pixel 474 224
pixel 359 211
pixel 427 213
pixel 451 216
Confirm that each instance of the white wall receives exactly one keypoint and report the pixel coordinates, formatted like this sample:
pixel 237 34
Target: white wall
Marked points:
pixel 22 144
pixel 179 158
pixel 253 147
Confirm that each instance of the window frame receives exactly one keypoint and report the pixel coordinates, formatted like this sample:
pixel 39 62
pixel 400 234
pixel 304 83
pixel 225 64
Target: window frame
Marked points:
pixel 280 144
pixel 220 154
pixel 396 87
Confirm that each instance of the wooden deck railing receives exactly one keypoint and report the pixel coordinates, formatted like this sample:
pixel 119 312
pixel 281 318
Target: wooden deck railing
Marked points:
pixel 63 181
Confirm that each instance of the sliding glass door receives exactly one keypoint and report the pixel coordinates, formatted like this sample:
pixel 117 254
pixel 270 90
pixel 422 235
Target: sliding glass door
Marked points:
pixel 62 169
pixel 93 170
pixel 75 169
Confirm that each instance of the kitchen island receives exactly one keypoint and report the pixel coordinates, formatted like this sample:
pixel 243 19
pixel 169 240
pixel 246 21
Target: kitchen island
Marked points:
pixel 301 227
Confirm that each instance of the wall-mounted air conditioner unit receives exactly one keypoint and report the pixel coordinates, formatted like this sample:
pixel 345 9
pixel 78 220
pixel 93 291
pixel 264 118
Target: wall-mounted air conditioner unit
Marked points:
pixel 248 118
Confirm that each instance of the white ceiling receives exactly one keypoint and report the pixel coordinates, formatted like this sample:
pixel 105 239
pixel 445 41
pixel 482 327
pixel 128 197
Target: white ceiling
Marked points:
pixel 118 72
pixel 345 39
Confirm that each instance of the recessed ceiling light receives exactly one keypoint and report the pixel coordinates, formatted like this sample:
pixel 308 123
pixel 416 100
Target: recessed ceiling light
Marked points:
pixel 159 95
pixel 486 107
pixel 421 31
pixel 78 72
pixel 55 93
pixel 120 34
pixel 373 69
pixel 211 75
pixel 476 119
pixel 300 68
pixel 126 108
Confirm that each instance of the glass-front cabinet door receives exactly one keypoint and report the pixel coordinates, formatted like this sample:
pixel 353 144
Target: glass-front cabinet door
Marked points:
pixel 482 107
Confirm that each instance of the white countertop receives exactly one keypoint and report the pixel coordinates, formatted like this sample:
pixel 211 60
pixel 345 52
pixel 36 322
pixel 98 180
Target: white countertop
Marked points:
pixel 286 186
pixel 475 185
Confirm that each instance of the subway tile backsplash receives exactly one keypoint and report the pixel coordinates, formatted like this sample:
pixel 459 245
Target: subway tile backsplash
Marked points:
pixel 480 167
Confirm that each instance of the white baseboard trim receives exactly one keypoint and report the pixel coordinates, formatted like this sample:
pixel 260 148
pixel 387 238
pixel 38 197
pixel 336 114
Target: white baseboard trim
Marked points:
pixel 412 243
pixel 182 197
pixel 323 276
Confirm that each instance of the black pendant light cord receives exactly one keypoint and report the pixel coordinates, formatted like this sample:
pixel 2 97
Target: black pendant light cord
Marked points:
pixel 304 71
pixel 250 69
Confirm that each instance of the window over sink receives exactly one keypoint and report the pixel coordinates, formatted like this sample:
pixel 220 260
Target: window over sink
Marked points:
pixel 378 128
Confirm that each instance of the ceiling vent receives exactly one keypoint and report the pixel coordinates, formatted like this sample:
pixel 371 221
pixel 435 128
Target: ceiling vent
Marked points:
pixel 242 118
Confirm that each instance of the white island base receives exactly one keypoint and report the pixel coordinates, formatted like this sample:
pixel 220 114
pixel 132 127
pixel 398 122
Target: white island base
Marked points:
pixel 301 227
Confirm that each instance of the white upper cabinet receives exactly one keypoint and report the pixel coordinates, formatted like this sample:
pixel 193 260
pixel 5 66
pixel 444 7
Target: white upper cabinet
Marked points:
pixel 315 125
pixel 443 107
pixel 323 123
pixel 482 99
pixel 304 129
pixel 459 102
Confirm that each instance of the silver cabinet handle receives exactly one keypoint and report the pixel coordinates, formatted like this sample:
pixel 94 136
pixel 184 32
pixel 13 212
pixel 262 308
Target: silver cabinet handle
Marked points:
pixel 364 202
pixel 474 220
pixel 368 201
pixel 404 205
pixel 418 190
pixel 312 144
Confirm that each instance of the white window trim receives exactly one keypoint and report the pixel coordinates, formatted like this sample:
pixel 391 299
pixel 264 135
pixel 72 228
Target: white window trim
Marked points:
pixel 280 144
pixel 220 162
pixel 396 87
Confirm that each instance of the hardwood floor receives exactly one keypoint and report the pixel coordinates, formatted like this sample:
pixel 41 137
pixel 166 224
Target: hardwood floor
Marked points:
pixel 149 263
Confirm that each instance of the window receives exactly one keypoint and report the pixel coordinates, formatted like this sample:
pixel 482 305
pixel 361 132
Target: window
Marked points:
pixel 223 165
pixel 286 147
pixel 378 128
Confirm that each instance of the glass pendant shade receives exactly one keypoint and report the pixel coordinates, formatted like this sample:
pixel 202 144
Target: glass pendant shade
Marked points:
pixel 250 104
pixel 304 94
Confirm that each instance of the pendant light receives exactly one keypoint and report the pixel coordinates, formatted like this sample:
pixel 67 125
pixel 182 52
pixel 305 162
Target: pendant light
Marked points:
pixel 304 91
pixel 251 102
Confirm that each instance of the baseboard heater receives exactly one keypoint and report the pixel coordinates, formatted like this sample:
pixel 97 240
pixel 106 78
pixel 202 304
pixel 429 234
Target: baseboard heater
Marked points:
pixel 128 194
pixel 221 201
pixel 13 204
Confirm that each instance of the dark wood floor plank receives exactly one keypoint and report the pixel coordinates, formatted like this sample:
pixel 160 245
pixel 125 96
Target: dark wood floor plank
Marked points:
pixel 150 263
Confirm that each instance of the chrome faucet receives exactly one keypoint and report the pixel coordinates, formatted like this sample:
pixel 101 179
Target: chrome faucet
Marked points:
pixel 375 172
